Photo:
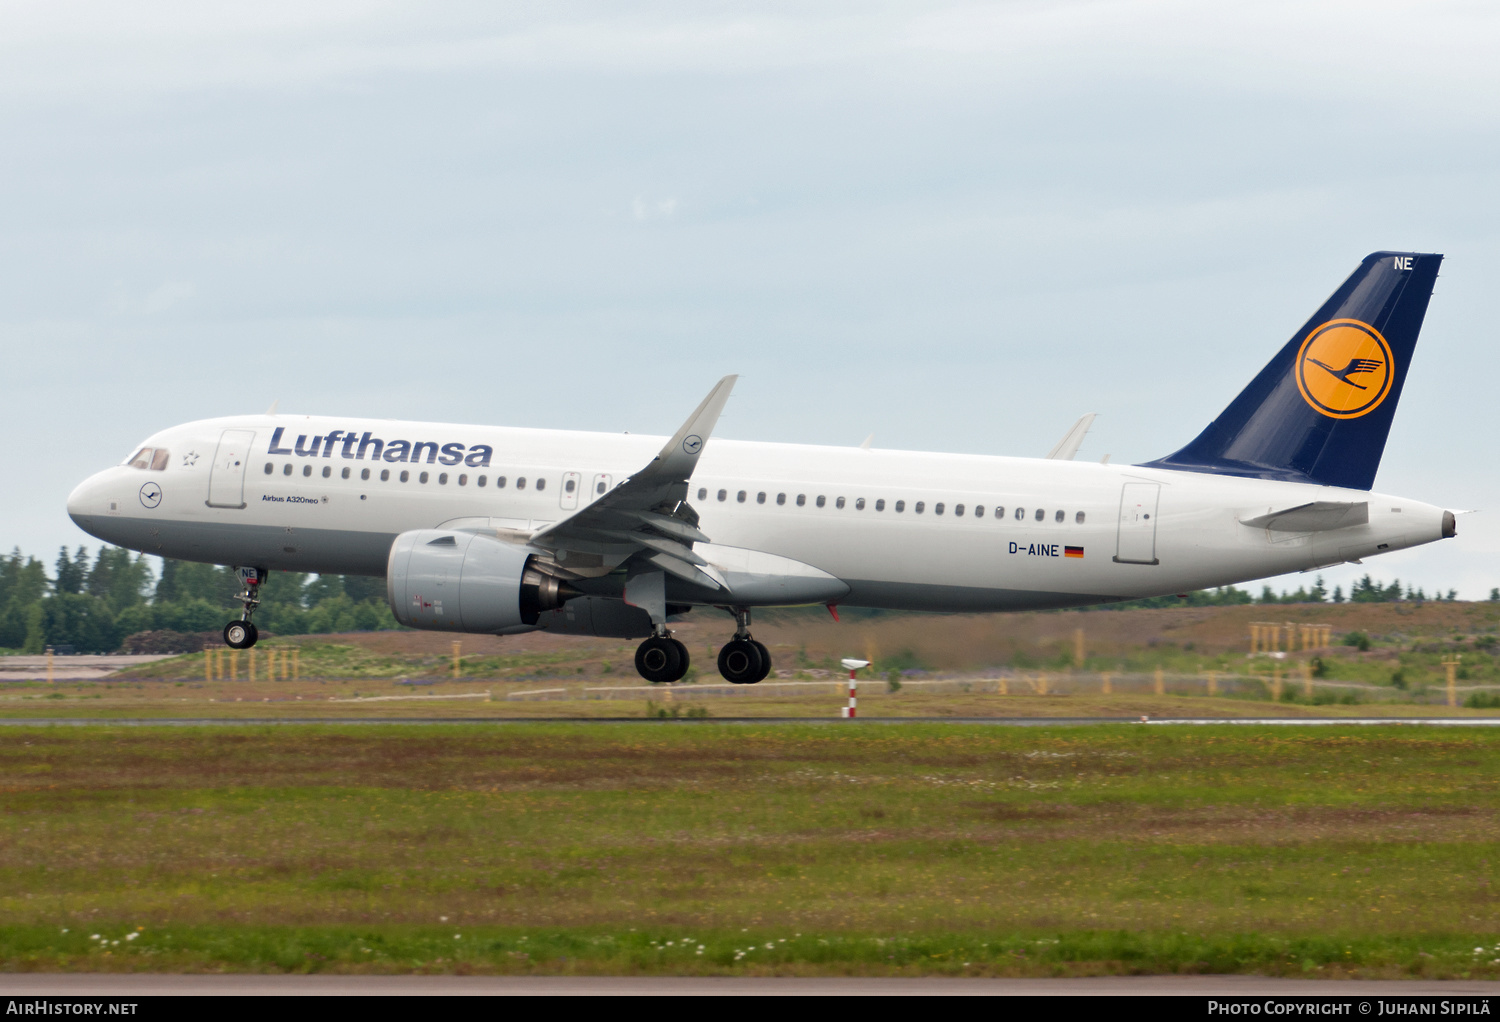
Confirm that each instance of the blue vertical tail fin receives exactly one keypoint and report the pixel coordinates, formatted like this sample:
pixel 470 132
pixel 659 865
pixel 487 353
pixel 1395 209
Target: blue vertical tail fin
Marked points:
pixel 1321 410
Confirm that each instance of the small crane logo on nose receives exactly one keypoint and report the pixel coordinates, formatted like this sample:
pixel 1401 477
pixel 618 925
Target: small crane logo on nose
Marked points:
pixel 693 444
pixel 150 495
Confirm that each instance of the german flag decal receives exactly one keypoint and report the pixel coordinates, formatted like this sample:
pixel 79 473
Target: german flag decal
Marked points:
pixel 1072 551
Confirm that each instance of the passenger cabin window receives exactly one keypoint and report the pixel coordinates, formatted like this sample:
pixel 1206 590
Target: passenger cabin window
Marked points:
pixel 405 475
pixel 919 506
pixel 760 498
pixel 723 495
pixel 999 511
pixel 978 510
pixel 385 475
pixel 569 485
pixel 327 471
pixel 269 468
pixel 702 491
pixel 520 482
pixel 900 506
pixel 364 473
pixel 740 496
pixel 1041 515
pixel 442 478
pixel 344 474
pixel 422 478
pixel 1020 514
pixel 159 459
pixel 801 500
pixel 463 480
pixel 839 503
pixel 286 469
pixel 859 504
pixel 780 498
pixel 1078 518
pixel 1060 516
pixel 822 500
pixel 958 510
pixel 306 470
pixel 937 508
pixel 541 484
pixel 599 488
pixel 480 481
pixel 499 483
pixel 880 504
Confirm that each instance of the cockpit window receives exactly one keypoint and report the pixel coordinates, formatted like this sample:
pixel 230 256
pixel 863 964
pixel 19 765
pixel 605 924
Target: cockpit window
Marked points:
pixel 154 458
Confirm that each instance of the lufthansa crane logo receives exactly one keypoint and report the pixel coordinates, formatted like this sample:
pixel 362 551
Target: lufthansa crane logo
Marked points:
pixel 1344 369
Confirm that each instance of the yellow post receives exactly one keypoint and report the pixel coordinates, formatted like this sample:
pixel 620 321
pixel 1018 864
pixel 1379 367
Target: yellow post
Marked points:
pixel 1307 680
pixel 208 663
pixel 1004 686
pixel 234 665
pixel 250 661
pixel 1213 683
pixel 1254 639
pixel 1078 648
pixel 49 665
pixel 1041 683
pixel 1276 683
pixel 1161 686
pixel 297 663
pixel 456 647
pixel 1452 666
pixel 1106 683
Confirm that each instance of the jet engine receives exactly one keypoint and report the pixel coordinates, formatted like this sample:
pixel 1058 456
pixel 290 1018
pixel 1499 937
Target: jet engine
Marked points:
pixel 468 582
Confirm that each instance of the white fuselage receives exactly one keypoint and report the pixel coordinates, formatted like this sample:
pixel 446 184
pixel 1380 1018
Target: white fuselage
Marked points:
pixel 949 547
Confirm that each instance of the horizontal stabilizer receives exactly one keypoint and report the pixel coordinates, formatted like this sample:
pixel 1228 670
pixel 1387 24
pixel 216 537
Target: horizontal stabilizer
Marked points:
pixel 1318 516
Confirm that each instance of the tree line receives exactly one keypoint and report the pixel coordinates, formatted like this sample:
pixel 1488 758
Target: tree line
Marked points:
pixel 95 602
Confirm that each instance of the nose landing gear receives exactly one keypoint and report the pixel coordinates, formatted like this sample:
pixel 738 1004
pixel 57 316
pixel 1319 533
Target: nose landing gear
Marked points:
pixel 743 660
pixel 242 634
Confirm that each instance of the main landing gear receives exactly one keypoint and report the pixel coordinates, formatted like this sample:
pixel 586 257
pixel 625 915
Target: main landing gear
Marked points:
pixel 743 661
pixel 242 634
pixel 662 658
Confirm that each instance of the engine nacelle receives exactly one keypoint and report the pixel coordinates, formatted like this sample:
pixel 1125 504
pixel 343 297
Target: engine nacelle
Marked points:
pixel 467 582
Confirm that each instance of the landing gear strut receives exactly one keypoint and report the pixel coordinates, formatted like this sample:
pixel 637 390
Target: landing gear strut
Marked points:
pixel 242 634
pixel 662 658
pixel 743 661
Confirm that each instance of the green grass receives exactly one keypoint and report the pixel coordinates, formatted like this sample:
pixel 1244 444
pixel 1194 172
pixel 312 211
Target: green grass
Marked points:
pixel 850 849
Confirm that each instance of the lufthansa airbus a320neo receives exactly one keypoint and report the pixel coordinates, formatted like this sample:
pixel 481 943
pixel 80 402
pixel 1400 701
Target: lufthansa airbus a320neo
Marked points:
pixel 503 530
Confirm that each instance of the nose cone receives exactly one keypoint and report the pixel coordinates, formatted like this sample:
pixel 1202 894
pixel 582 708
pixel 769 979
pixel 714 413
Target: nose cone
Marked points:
pixel 89 502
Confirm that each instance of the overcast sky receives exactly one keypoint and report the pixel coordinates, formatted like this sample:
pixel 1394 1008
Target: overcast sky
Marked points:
pixel 955 226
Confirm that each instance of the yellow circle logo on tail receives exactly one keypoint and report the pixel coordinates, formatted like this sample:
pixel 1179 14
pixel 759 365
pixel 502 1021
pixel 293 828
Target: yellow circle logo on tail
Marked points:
pixel 1344 369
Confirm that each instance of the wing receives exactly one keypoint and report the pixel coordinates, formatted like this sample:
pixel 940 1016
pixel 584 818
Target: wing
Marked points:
pixel 1068 446
pixel 647 515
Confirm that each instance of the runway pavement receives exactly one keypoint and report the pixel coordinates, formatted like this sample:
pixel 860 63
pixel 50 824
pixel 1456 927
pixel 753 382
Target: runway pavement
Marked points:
pixel 138 985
